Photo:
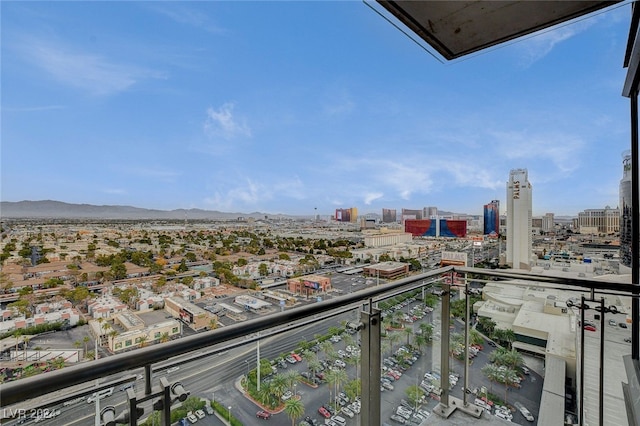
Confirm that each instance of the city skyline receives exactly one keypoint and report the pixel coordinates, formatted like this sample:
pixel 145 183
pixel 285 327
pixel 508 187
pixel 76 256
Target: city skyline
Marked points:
pixel 233 107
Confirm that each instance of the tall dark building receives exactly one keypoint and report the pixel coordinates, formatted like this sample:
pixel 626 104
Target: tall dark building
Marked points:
pixel 625 212
pixel 492 218
pixel 389 216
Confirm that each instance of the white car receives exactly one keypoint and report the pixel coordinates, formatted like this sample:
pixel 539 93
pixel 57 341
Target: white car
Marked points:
pixel 102 394
pixel 191 417
pixel 503 415
pixel 525 413
pixel 347 412
pixel 200 414
pixel 286 395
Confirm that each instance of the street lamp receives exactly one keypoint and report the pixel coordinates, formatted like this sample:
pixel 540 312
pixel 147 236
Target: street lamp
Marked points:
pixel 229 418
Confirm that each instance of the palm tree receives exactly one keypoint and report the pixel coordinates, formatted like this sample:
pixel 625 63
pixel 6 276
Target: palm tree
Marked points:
pixel 142 340
pixel 86 340
pixel 278 385
pixel 314 366
pixel 292 377
pixel 164 337
pixel 492 373
pixel 509 378
pixel 294 409
pixel 265 394
pixel 336 378
pixel 409 333
pixel 394 337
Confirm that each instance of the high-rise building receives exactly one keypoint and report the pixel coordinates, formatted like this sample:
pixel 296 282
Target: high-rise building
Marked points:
pixel 347 215
pixel 411 214
pixel 389 216
pixel 492 218
pixel 519 202
pixel 599 221
pixel 625 212
pixel 429 212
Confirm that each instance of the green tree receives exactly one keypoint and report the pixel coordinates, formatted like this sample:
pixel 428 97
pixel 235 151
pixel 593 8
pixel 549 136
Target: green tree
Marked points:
pixel 336 378
pixel 294 409
pixel 278 385
pixel 414 394
pixel 183 266
pixel 118 271
pixel 263 270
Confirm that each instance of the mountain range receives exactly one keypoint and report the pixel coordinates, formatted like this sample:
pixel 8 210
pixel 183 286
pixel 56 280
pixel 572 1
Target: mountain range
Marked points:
pixel 49 209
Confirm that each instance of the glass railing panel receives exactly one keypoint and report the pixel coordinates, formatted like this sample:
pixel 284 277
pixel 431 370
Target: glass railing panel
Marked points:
pixel 603 341
pixel 411 354
pixel 309 369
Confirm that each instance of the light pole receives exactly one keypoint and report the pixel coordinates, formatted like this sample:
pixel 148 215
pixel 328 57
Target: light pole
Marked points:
pixel 229 417
pixel 246 361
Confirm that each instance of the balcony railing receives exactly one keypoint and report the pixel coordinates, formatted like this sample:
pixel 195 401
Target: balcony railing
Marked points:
pixel 217 363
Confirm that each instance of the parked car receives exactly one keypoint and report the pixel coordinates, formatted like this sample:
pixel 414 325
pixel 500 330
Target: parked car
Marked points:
pixel 191 417
pixel 623 325
pixel 324 413
pixel 525 413
pixel 398 419
pixel 264 415
pixel 200 414
pixel 286 395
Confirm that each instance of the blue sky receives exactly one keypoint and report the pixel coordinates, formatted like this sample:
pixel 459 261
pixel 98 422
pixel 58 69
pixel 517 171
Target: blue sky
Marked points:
pixel 285 107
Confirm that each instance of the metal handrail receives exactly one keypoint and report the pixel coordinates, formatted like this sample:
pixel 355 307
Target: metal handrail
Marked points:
pixel 32 387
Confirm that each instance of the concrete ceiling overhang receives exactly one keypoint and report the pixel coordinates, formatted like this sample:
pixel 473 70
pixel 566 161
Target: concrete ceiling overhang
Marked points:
pixel 458 28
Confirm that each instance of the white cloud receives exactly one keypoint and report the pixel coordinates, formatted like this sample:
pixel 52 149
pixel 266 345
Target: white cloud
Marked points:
pixel 559 149
pixel 85 71
pixel 221 123
pixel 540 44
pixel 372 196
pixel 187 16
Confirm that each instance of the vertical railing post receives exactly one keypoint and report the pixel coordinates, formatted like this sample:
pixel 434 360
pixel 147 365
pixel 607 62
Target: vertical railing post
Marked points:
pixel 445 343
pixel 467 325
pixel 635 228
pixel 370 366
pixel 133 406
pixel 581 399
pixel 601 394
pixel 165 413
pixel 147 379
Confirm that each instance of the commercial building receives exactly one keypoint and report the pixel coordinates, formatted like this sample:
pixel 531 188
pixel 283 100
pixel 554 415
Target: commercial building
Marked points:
pixel 387 239
pixel 387 270
pixel 492 218
pixel 389 216
pixel 411 214
pixel 519 201
pixel 599 221
pixel 309 285
pixel 436 228
pixel 194 316
pixel 347 215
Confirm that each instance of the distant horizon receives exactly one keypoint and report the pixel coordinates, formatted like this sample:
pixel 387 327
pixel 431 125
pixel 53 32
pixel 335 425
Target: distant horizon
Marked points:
pixel 312 214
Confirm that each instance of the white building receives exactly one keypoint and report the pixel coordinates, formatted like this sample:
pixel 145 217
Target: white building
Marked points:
pixel 519 201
